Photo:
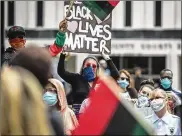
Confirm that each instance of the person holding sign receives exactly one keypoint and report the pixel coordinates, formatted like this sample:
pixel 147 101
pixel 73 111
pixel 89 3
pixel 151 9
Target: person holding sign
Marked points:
pixel 122 77
pixel 81 82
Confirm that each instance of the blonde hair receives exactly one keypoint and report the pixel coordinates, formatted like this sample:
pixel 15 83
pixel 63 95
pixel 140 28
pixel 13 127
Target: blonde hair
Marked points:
pixel 22 109
pixel 153 95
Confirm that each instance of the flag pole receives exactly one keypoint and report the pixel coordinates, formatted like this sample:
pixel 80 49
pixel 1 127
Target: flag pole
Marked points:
pixel 70 6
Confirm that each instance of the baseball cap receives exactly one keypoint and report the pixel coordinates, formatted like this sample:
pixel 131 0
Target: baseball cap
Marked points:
pixel 16 31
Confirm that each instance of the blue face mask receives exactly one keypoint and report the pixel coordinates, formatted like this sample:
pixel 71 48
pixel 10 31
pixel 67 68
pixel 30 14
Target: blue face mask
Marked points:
pixel 50 98
pixel 166 83
pixel 88 74
pixel 123 83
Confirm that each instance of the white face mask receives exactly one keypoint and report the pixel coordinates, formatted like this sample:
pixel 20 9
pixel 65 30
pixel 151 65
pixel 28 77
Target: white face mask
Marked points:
pixel 157 104
pixel 142 101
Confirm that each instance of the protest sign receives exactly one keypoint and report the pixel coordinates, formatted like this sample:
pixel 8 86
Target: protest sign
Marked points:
pixel 86 32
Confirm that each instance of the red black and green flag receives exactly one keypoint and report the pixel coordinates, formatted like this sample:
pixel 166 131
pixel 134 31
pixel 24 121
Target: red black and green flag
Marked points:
pixel 101 8
pixel 107 115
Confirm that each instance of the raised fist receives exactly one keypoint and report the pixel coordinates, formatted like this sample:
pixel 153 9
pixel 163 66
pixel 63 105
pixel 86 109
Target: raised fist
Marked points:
pixel 105 56
pixel 63 26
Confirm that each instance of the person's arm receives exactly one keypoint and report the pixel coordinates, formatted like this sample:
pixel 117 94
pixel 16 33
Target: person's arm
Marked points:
pixel 57 47
pixel 133 93
pixel 67 76
pixel 114 71
pixel 8 55
pixel 5 59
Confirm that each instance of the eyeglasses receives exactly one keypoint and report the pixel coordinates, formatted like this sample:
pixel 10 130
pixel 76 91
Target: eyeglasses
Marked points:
pixel 123 78
pixel 91 65
pixel 151 99
pixel 166 77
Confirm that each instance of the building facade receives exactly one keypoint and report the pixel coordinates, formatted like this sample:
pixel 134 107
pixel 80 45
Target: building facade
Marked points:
pixel 144 33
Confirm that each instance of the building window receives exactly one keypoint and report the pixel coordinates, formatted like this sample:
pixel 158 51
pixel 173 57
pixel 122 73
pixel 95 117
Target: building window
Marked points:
pixel 150 65
pixel 130 63
pixel 158 64
pixel 128 13
pixel 158 13
pixel 116 61
pixel 11 13
pixel 39 13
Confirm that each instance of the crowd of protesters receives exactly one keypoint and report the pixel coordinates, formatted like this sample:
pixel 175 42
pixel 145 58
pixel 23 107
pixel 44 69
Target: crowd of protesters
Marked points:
pixel 34 102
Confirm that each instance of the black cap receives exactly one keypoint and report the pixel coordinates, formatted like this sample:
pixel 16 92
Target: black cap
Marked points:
pixel 16 31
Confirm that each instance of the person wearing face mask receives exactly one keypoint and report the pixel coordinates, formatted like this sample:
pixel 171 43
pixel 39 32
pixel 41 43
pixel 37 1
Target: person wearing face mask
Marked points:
pixel 175 96
pixel 81 82
pixel 54 96
pixel 122 77
pixel 125 81
pixel 113 72
pixel 162 121
pixel 145 92
pixel 166 80
pixel 16 37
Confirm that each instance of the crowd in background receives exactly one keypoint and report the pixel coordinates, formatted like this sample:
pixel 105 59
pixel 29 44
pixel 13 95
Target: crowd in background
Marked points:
pixel 34 102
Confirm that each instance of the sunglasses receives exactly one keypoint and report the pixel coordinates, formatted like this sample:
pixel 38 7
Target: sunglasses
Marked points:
pixel 13 37
pixel 123 78
pixel 166 77
pixel 91 65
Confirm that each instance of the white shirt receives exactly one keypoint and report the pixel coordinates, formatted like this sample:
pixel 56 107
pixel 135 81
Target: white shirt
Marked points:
pixel 84 105
pixel 167 125
pixel 142 106
pixel 125 95
pixel 86 102
pixel 145 111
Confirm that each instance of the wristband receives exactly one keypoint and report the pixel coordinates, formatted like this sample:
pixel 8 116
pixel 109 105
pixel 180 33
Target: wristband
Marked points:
pixel 60 39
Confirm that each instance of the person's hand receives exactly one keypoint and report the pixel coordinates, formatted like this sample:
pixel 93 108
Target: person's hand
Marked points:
pixel 63 26
pixel 105 56
pixel 66 54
